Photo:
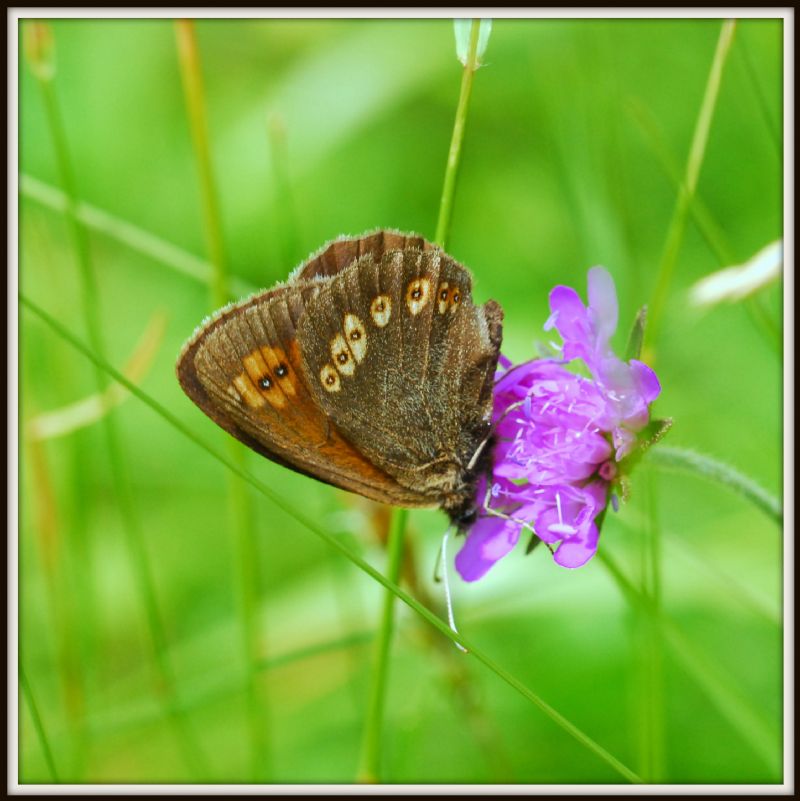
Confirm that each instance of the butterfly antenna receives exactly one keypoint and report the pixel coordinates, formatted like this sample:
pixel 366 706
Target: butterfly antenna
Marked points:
pixel 450 618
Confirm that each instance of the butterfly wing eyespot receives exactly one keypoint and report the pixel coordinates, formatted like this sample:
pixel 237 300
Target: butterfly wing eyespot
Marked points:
pixel 342 356
pixel 417 295
pixel 455 299
pixel 356 336
pixel 443 297
pixel 330 379
pixel 247 391
pixel 381 310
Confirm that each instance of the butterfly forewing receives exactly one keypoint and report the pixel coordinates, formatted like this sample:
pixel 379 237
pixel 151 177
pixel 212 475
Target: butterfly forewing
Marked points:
pixel 244 371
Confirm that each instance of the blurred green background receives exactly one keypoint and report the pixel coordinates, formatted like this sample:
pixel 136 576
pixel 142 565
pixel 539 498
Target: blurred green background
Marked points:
pixel 563 167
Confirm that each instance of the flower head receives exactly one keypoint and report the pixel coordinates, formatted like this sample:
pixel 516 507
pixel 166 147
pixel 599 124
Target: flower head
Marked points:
pixel 560 436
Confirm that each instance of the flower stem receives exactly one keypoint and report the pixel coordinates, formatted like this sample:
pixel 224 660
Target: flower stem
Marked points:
pixel 686 461
pixel 195 104
pixel 120 482
pixel 697 150
pixel 334 542
pixel 652 701
pixel 454 156
pixel 369 769
pixel 38 724
pixel 241 516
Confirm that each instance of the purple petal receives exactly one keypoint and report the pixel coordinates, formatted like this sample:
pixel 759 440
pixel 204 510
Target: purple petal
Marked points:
pixel 603 301
pixel 572 319
pixel 646 380
pixel 490 539
pixel 578 551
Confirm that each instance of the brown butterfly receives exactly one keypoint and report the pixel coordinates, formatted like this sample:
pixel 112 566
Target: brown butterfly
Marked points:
pixel 370 369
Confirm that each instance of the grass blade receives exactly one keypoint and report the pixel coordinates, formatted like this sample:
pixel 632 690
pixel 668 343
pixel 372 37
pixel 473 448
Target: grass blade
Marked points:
pixel 38 724
pixel 697 151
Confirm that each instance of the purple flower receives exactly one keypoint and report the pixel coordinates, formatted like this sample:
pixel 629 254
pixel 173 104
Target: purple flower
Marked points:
pixel 560 436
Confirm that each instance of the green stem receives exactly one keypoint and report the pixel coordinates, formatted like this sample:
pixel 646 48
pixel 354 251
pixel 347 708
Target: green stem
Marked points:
pixel 371 745
pixel 686 461
pixel 652 703
pixel 129 235
pixel 38 724
pixel 454 156
pixel 334 542
pixel 697 150
pixel 195 105
pixel 120 482
pixel 239 503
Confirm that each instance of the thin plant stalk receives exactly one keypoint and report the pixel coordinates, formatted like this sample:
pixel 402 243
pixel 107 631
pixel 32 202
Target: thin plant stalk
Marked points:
pixel 38 724
pixel 652 701
pixel 336 544
pixel 707 226
pixel 369 769
pixel 129 235
pixel 241 516
pixel 697 150
pixel 454 156
pixel 121 485
pixel 371 744
pixel 67 645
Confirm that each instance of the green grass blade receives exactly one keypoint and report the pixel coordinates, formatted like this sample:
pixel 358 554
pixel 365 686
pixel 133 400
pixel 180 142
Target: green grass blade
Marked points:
pixel 279 501
pixel 697 151
pixel 38 724
pixel 127 234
